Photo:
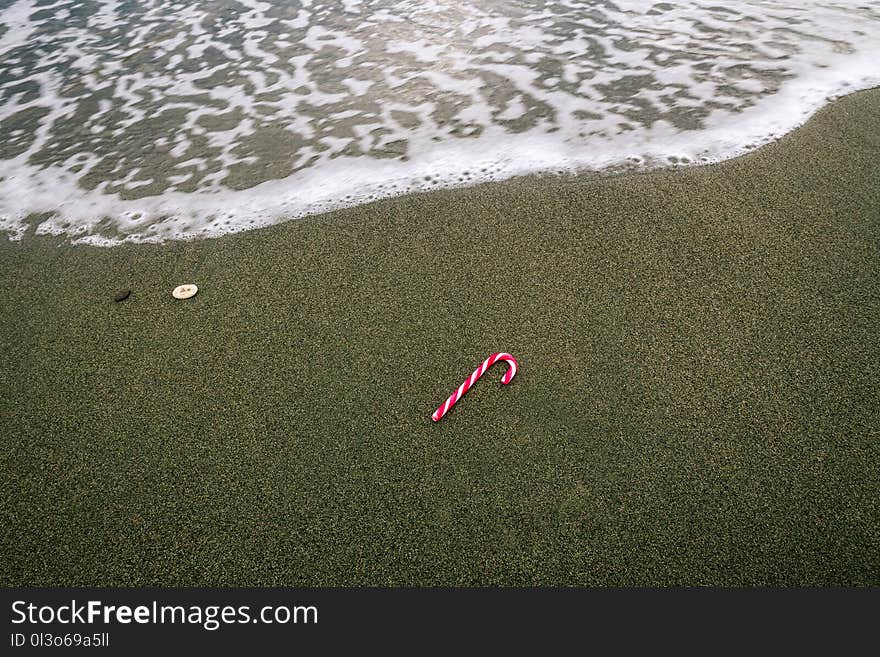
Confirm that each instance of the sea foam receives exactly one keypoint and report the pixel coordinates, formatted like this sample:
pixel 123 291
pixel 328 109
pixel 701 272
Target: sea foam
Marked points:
pixel 171 120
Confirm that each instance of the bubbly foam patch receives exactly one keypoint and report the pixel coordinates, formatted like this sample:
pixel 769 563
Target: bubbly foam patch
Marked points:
pixel 155 120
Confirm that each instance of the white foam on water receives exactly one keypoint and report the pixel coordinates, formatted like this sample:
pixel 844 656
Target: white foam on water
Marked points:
pixel 219 123
pixel 18 26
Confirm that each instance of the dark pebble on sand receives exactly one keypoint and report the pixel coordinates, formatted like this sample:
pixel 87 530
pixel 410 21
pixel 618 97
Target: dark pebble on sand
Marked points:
pixel 122 295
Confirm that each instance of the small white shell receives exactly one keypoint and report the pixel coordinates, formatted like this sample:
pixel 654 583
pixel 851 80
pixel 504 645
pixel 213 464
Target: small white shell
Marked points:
pixel 185 291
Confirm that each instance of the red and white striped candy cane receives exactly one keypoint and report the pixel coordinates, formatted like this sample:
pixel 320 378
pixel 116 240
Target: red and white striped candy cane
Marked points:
pixel 472 379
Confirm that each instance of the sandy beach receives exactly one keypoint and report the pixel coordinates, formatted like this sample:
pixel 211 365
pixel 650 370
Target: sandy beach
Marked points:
pixel 698 400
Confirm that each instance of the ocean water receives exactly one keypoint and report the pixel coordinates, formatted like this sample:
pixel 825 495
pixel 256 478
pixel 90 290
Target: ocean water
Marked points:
pixel 148 120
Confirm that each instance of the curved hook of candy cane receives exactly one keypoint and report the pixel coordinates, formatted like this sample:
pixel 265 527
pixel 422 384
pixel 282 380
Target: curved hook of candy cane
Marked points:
pixel 464 387
pixel 511 366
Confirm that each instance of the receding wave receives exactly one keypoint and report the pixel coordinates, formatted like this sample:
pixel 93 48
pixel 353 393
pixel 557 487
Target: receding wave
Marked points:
pixel 146 120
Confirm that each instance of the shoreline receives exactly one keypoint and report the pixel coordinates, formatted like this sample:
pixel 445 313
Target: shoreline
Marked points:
pixel 166 209
pixel 697 400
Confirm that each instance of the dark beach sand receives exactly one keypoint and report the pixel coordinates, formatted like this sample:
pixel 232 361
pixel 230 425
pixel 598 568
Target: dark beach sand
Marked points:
pixel 698 400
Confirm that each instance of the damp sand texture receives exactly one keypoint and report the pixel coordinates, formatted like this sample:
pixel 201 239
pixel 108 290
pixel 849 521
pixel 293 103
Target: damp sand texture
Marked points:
pixel 697 401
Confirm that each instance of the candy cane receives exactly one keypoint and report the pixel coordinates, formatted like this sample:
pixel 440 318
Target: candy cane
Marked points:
pixel 464 387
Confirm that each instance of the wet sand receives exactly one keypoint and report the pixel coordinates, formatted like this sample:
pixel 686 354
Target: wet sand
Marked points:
pixel 698 400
